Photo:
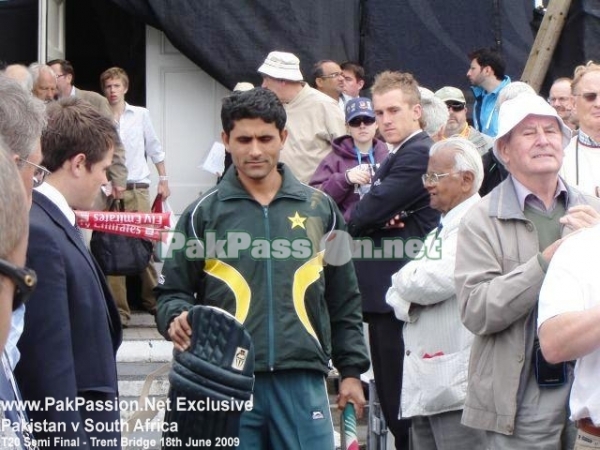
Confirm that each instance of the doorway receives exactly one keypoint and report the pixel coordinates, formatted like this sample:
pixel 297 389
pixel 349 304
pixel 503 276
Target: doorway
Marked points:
pixel 100 35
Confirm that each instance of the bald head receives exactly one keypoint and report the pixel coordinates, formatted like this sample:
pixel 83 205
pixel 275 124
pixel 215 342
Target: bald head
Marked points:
pixel 20 73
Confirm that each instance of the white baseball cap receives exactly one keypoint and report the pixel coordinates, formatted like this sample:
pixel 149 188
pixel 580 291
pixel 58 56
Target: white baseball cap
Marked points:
pixel 514 111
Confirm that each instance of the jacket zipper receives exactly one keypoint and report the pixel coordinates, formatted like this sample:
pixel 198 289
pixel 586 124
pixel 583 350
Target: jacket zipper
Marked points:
pixel 270 323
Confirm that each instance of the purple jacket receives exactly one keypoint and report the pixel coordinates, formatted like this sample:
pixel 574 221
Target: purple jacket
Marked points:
pixel 330 176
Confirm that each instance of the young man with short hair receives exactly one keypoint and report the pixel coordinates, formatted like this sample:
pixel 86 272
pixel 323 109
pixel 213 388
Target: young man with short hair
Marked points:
pixel 299 311
pixel 396 188
pixel 140 142
pixel 486 75
pixel 72 330
pixel 354 78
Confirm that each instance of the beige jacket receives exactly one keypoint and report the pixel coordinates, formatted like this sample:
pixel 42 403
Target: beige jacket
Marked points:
pixel 314 120
pixel 498 280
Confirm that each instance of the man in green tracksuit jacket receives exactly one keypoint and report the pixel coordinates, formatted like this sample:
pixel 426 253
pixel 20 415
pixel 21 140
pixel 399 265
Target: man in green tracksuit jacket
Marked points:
pixel 252 246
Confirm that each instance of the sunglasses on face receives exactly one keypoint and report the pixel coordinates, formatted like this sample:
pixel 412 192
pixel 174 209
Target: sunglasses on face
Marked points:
pixel 588 96
pixel 455 106
pixel 24 279
pixel 358 121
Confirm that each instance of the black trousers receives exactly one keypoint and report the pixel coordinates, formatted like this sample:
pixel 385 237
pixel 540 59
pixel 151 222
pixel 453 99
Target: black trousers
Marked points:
pixel 387 357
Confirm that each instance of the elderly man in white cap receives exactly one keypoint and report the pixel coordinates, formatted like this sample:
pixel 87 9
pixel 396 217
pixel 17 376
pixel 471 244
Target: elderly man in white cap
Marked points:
pixel 505 245
pixel 314 119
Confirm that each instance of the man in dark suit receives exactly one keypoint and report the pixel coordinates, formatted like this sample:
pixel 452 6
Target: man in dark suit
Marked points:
pixel 117 172
pixel 72 328
pixel 396 190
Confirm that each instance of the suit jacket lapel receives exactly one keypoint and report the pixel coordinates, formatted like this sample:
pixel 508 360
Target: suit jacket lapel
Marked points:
pixel 389 161
pixel 59 218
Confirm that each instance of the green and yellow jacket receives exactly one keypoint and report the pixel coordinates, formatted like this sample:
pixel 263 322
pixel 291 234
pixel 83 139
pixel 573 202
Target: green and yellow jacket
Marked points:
pixel 264 265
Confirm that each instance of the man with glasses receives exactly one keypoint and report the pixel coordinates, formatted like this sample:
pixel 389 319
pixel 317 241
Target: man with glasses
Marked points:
pixel 314 119
pixel 457 124
pixel 505 245
pixel 561 99
pixel 72 328
pixel 423 295
pixel 117 173
pixel 22 120
pixel 16 283
pixel 329 79
pixel 581 166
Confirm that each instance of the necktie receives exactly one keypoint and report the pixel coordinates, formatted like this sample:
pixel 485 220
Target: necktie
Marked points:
pixel 438 230
pixel 80 234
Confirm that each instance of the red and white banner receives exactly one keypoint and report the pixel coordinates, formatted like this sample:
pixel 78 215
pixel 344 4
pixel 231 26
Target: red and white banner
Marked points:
pixel 160 220
pixel 153 226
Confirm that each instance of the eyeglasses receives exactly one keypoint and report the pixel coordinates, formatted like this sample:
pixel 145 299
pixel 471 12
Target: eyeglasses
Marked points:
pixel 455 106
pixel 40 172
pixel 433 178
pixel 588 96
pixel 60 75
pixel 332 75
pixel 25 281
pixel 358 121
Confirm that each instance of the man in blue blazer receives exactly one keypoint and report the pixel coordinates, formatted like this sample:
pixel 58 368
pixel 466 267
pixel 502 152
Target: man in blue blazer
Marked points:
pixel 396 190
pixel 72 329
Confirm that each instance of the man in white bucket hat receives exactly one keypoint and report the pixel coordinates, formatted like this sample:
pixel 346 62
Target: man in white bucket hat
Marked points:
pixel 314 119
pixel 505 245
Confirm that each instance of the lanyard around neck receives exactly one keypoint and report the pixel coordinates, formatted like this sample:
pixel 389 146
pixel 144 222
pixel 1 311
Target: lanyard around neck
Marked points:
pixel 359 156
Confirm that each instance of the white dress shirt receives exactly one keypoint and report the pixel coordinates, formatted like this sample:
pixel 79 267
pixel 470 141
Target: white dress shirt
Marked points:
pixel 140 141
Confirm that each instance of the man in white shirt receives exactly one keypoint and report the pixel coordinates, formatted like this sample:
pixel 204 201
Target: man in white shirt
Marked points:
pixel 568 317
pixel 140 141
pixel 561 99
pixel 423 295
pixel 329 79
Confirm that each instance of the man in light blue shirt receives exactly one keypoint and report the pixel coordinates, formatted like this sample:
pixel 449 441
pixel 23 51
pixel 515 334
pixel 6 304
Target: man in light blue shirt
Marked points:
pixel 486 75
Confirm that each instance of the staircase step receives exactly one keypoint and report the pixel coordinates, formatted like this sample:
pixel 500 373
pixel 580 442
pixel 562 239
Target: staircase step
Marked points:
pixel 142 342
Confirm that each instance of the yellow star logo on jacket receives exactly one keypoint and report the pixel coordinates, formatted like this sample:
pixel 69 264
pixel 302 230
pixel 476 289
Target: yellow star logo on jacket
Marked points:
pixel 297 221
